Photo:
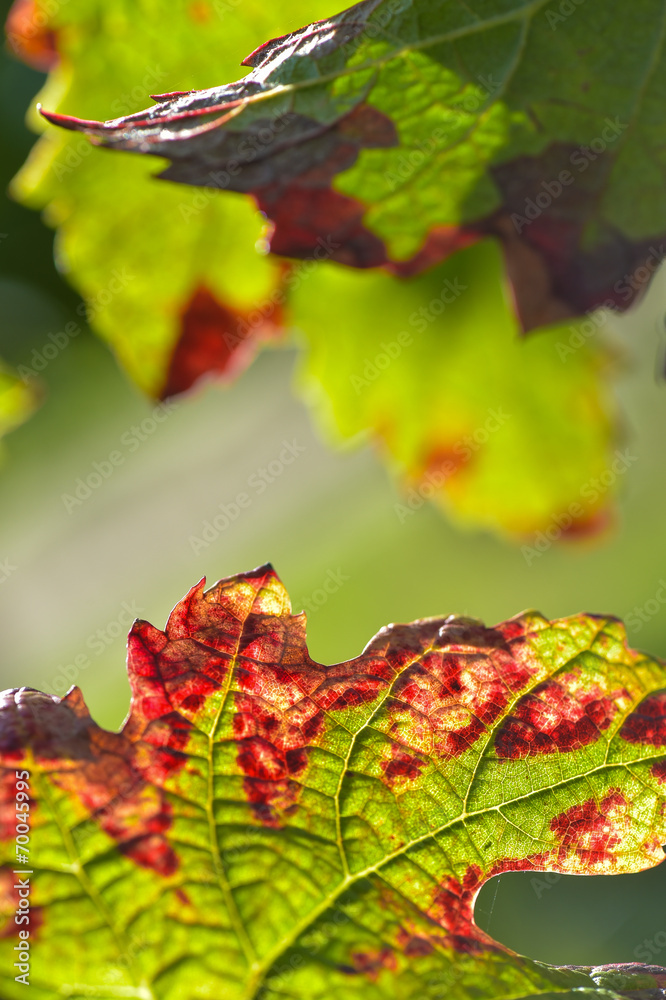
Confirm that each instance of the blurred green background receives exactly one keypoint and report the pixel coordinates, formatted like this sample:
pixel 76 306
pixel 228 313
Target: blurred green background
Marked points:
pixel 129 544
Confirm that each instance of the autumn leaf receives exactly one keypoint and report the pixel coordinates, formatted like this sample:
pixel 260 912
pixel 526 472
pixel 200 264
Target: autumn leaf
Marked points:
pixel 171 277
pixel 283 141
pixel 265 826
pixel 402 129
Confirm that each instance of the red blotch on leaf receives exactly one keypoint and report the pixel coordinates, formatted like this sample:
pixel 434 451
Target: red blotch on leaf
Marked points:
pixel 554 270
pixel 647 723
pixel 275 719
pixel 453 908
pixel 272 742
pixel 659 771
pixel 401 765
pixel 31 41
pixel 444 702
pixel 453 902
pixel 217 339
pixel 553 719
pixel 592 829
pixel 371 963
pixel 310 219
pixel 102 769
pixel 413 945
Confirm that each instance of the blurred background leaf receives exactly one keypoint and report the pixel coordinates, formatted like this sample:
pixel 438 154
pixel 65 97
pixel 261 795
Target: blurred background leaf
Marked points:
pixel 498 428
pixel 172 280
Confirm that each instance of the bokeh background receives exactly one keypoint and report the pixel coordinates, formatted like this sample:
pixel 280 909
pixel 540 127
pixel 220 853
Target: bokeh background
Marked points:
pixel 79 574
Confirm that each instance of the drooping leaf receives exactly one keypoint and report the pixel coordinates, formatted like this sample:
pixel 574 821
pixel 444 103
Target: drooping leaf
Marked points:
pixel 514 435
pixel 265 826
pixel 171 277
pixel 409 127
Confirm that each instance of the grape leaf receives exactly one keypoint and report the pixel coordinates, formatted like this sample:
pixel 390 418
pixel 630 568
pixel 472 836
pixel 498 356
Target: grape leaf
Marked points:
pixel 413 126
pixel 172 322
pixel 171 277
pixel 500 430
pixel 265 826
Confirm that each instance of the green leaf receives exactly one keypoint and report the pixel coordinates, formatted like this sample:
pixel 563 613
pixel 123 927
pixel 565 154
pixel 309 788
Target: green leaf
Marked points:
pixel 265 826
pixel 514 435
pixel 18 399
pixel 144 255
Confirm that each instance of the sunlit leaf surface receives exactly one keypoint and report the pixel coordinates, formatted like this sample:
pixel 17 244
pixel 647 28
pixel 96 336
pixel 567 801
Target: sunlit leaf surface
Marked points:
pixel 265 826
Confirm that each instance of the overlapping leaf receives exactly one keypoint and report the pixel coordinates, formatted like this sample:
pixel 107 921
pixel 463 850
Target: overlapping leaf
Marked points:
pixel 409 126
pixel 367 141
pixel 156 264
pixel 265 826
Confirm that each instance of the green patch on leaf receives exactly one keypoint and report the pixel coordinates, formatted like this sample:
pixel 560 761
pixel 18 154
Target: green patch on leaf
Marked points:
pixel 509 433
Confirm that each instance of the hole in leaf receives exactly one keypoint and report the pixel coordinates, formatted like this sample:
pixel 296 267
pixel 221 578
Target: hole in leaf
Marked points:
pixel 578 920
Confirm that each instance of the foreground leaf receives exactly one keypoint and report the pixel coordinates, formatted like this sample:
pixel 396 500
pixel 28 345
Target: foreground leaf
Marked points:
pixel 415 126
pixel 264 826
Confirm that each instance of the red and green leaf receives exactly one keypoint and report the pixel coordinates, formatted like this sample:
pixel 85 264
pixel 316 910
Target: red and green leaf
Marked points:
pixel 171 277
pixel 265 826
pixel 401 131
pixel 364 176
